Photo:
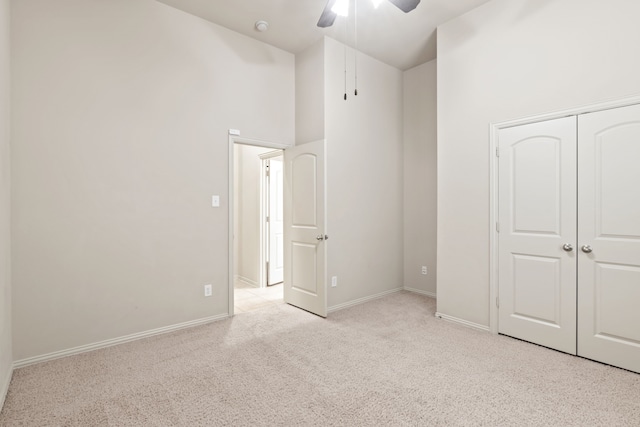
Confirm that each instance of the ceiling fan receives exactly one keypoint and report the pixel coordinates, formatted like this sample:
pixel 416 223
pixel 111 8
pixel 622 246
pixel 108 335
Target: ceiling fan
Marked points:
pixel 329 13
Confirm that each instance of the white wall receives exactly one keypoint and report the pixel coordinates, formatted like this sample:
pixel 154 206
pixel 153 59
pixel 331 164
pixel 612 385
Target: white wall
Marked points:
pixel 420 177
pixel 247 214
pixel 120 117
pixel 504 60
pixel 6 359
pixel 364 176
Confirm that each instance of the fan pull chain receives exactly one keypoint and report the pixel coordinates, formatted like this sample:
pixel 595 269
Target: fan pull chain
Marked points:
pixel 345 73
pixel 346 31
pixel 355 52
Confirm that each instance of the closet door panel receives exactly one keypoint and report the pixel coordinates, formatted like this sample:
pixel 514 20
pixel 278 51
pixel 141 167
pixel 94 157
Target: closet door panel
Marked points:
pixel 609 237
pixel 537 216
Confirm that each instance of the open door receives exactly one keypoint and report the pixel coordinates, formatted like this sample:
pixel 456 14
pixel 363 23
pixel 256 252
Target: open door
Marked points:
pixel 304 228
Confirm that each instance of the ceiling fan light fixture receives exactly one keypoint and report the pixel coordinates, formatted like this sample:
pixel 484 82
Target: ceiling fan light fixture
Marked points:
pixel 341 8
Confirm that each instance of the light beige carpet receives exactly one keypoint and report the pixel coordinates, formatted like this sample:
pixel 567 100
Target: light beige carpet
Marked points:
pixel 387 362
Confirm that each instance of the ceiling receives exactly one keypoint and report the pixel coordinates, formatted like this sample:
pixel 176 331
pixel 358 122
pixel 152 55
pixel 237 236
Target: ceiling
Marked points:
pixel 387 34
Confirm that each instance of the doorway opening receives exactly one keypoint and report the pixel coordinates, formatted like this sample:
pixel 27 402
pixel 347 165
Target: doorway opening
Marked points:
pixel 304 239
pixel 258 244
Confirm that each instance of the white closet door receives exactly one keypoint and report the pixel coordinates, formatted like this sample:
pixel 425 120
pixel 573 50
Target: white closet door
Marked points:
pixel 609 237
pixel 537 218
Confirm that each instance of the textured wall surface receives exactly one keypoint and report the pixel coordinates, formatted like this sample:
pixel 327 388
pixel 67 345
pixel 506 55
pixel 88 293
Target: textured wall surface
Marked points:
pixel 420 177
pixel 120 118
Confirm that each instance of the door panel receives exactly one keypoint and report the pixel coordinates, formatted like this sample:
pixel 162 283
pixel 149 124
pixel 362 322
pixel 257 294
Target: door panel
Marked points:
pixel 537 216
pixel 304 228
pixel 304 187
pixel 303 273
pixel 536 288
pixel 609 222
pixel 616 156
pixel 616 296
pixel 536 163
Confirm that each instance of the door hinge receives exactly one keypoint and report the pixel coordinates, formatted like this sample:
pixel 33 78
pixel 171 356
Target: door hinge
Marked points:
pixel 268 219
pixel 497 227
pixel 497 151
pixel 497 302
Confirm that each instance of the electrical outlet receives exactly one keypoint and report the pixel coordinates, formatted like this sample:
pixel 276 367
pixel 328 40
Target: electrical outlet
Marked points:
pixel 334 281
pixel 424 270
pixel 208 291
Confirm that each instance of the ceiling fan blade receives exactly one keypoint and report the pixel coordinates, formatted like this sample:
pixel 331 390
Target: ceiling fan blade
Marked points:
pixel 328 16
pixel 405 5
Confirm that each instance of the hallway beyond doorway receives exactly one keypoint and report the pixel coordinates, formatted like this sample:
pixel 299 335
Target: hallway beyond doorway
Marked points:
pixel 250 298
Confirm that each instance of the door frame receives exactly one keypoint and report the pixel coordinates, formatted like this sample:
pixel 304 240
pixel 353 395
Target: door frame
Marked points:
pixel 235 138
pixel 494 129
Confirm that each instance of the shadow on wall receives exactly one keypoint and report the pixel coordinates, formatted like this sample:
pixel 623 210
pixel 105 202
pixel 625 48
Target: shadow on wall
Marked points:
pixel 467 31
pixel 242 46
pixel 531 7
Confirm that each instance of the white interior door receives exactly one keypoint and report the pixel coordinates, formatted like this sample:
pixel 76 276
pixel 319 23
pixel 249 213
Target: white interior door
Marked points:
pixel 609 237
pixel 537 233
pixel 276 221
pixel 304 228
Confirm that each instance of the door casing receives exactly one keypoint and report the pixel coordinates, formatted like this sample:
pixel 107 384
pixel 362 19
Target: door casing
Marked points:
pixel 494 129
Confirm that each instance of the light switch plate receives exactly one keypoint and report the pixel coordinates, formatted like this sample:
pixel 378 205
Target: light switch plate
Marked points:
pixel 215 201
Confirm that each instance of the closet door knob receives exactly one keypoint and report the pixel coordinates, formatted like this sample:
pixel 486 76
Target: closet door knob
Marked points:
pixel 567 247
pixel 587 249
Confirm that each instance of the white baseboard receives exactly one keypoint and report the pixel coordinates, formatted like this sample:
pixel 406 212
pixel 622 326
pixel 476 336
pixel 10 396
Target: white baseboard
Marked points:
pixel 420 291
pixel 463 322
pixel 362 300
pixel 4 388
pixel 246 281
pixel 115 341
